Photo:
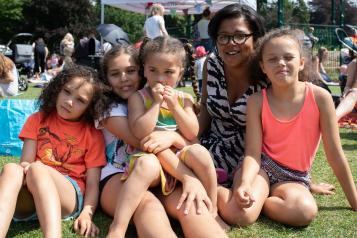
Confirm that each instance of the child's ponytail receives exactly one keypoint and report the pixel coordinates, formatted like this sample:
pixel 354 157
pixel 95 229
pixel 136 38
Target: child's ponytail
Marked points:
pixel 142 59
pixel 191 69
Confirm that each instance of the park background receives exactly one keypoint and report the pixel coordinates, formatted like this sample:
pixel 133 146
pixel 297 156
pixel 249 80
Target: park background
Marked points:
pixel 54 18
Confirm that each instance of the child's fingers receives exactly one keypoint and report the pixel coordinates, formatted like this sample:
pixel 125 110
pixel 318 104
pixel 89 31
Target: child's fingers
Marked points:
pixel 199 205
pixel 182 199
pixel 208 203
pixel 95 230
pixel 75 226
pixel 188 203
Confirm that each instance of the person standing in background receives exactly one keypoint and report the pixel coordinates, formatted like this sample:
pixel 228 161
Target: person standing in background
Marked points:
pixel 155 25
pixel 202 27
pixel 40 52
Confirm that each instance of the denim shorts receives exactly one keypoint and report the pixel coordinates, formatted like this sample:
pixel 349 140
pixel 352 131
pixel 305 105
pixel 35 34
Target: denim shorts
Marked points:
pixel 73 215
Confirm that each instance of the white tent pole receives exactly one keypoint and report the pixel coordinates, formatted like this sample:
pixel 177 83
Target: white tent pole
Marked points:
pixel 102 12
pixel 102 22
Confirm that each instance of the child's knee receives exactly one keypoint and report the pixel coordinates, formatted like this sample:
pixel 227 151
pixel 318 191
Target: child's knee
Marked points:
pixel 13 171
pixel 198 154
pixel 148 165
pixel 307 210
pixel 35 172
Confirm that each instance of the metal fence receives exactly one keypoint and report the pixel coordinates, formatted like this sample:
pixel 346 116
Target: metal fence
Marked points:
pixel 327 38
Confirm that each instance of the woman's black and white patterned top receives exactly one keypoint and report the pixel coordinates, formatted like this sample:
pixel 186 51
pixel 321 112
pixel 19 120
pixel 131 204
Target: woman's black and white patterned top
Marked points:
pixel 225 136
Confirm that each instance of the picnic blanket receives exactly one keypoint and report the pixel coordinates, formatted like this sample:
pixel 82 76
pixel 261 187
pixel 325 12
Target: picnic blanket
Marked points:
pixel 13 114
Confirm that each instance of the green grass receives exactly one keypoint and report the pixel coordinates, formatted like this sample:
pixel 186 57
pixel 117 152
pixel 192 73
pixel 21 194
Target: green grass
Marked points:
pixel 335 218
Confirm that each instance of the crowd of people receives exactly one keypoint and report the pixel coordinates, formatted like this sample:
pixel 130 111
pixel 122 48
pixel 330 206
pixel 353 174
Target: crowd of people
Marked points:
pixel 127 140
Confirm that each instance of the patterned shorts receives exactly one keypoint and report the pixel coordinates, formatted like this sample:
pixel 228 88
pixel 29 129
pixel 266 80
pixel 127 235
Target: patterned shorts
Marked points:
pixel 278 173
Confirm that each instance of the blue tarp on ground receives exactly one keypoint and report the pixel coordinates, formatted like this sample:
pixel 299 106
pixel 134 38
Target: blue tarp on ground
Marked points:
pixel 13 114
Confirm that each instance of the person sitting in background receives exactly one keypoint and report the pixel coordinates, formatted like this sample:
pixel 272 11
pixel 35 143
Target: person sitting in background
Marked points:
pixel 349 96
pixel 155 25
pixel 322 55
pixel 67 42
pixel 315 76
pixel 8 77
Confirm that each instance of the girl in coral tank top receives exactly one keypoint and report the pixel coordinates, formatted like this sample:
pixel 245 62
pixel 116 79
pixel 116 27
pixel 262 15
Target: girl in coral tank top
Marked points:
pixel 284 125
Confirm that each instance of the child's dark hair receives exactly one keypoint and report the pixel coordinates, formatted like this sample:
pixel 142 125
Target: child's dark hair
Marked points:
pixel 294 35
pixel 109 96
pixel 173 46
pixel 48 98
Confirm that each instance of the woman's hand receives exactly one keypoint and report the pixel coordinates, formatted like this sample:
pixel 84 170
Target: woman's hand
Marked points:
pixel 193 190
pixel 243 196
pixel 84 225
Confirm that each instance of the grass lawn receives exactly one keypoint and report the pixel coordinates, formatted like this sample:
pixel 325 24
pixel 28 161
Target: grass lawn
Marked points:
pixel 335 218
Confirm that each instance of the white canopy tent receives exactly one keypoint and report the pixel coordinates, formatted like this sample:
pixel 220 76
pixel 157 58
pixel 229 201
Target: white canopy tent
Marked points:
pixel 172 6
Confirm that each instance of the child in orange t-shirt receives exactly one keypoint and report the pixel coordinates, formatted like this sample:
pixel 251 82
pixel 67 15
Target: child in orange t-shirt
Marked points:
pixel 61 159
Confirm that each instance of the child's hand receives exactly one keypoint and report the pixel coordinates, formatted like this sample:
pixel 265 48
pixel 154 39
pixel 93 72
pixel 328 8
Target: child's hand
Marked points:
pixel 170 96
pixel 322 188
pixel 156 142
pixel 26 166
pixel 84 226
pixel 157 92
pixel 243 196
pixel 192 189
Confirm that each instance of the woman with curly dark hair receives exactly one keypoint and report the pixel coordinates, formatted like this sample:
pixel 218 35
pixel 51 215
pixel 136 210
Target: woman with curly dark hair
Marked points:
pixel 61 157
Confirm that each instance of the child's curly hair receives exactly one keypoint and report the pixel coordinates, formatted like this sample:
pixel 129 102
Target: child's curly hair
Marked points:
pixel 48 98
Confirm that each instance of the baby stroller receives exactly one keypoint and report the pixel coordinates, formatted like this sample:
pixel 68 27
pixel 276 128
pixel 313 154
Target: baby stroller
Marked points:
pixel 22 55
pixel 347 36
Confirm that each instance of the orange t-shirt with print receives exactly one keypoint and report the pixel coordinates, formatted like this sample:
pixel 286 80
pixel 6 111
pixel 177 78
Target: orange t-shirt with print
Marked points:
pixel 69 147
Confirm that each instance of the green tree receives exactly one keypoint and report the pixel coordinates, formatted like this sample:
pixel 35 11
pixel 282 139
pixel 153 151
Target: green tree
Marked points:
pixel 53 18
pixel 10 18
pixel 321 12
pixel 295 12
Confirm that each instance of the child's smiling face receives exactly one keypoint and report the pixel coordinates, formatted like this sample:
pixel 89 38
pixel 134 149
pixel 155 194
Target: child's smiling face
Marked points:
pixel 123 75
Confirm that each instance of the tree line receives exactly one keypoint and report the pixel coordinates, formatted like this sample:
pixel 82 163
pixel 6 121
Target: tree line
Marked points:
pixel 53 18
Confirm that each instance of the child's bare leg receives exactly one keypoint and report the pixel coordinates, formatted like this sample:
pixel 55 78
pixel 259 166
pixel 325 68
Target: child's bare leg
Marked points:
pixel 290 203
pixel 228 206
pixel 11 180
pixel 151 220
pixel 146 172
pixel 193 225
pixel 53 195
pixel 150 217
pixel 197 158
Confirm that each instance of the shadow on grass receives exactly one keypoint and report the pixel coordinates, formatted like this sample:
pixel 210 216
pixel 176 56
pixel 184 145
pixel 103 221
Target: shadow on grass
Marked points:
pixel 349 135
pixel 334 208
pixel 349 147
pixel 19 228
